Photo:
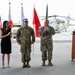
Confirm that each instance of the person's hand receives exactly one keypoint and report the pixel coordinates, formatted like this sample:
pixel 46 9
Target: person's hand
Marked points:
pixel 8 34
pixel 47 28
pixel 41 36
pixel 0 37
pixel 32 42
pixel 19 43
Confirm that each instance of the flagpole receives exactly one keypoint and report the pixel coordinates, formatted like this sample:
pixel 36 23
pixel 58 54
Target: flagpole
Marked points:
pixel 33 43
pixel 47 12
pixel 10 21
pixel 9 3
pixel 36 22
pixel 9 10
pixel 21 12
pixel 33 27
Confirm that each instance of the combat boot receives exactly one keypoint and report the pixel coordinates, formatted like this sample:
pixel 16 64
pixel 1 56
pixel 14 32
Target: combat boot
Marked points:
pixel 43 64
pixel 23 65
pixel 50 63
pixel 28 65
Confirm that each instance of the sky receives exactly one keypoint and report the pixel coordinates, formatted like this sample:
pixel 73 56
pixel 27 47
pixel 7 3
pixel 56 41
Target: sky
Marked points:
pixel 55 7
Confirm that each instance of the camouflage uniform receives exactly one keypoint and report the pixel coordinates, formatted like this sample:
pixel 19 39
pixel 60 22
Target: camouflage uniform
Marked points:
pixel 24 37
pixel 46 42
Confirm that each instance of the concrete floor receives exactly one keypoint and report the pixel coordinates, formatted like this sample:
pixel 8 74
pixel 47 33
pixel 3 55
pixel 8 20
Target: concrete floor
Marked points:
pixel 62 51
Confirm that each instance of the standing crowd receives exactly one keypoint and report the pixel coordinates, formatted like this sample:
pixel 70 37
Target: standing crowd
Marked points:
pixel 25 37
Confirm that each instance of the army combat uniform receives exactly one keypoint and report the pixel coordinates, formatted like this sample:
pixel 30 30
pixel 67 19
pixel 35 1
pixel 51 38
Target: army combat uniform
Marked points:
pixel 46 42
pixel 25 35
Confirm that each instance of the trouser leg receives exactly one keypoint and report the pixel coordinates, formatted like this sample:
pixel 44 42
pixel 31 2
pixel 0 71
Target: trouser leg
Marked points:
pixel 23 60
pixel 50 49
pixel 50 57
pixel 28 56
pixel 44 57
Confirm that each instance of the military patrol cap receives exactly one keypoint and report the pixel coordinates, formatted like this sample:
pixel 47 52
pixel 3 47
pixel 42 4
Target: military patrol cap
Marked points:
pixel 25 20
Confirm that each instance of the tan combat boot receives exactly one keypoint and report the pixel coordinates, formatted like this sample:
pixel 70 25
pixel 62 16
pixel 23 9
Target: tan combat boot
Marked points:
pixel 50 63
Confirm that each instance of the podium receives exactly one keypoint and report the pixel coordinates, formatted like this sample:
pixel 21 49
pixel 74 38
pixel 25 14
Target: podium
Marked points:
pixel 73 45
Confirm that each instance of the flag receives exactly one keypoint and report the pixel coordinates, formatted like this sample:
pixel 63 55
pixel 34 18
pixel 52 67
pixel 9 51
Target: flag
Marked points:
pixel 10 20
pixel 0 23
pixel 46 12
pixel 36 22
pixel 22 14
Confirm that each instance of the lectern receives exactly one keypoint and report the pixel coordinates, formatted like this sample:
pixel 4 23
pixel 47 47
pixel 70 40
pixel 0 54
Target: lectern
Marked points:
pixel 73 45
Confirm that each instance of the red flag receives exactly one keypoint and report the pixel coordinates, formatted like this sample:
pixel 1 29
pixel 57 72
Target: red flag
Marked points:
pixel 36 22
pixel 10 20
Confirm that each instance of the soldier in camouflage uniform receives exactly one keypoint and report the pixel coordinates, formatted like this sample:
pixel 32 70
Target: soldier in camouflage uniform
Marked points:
pixel 46 33
pixel 25 37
